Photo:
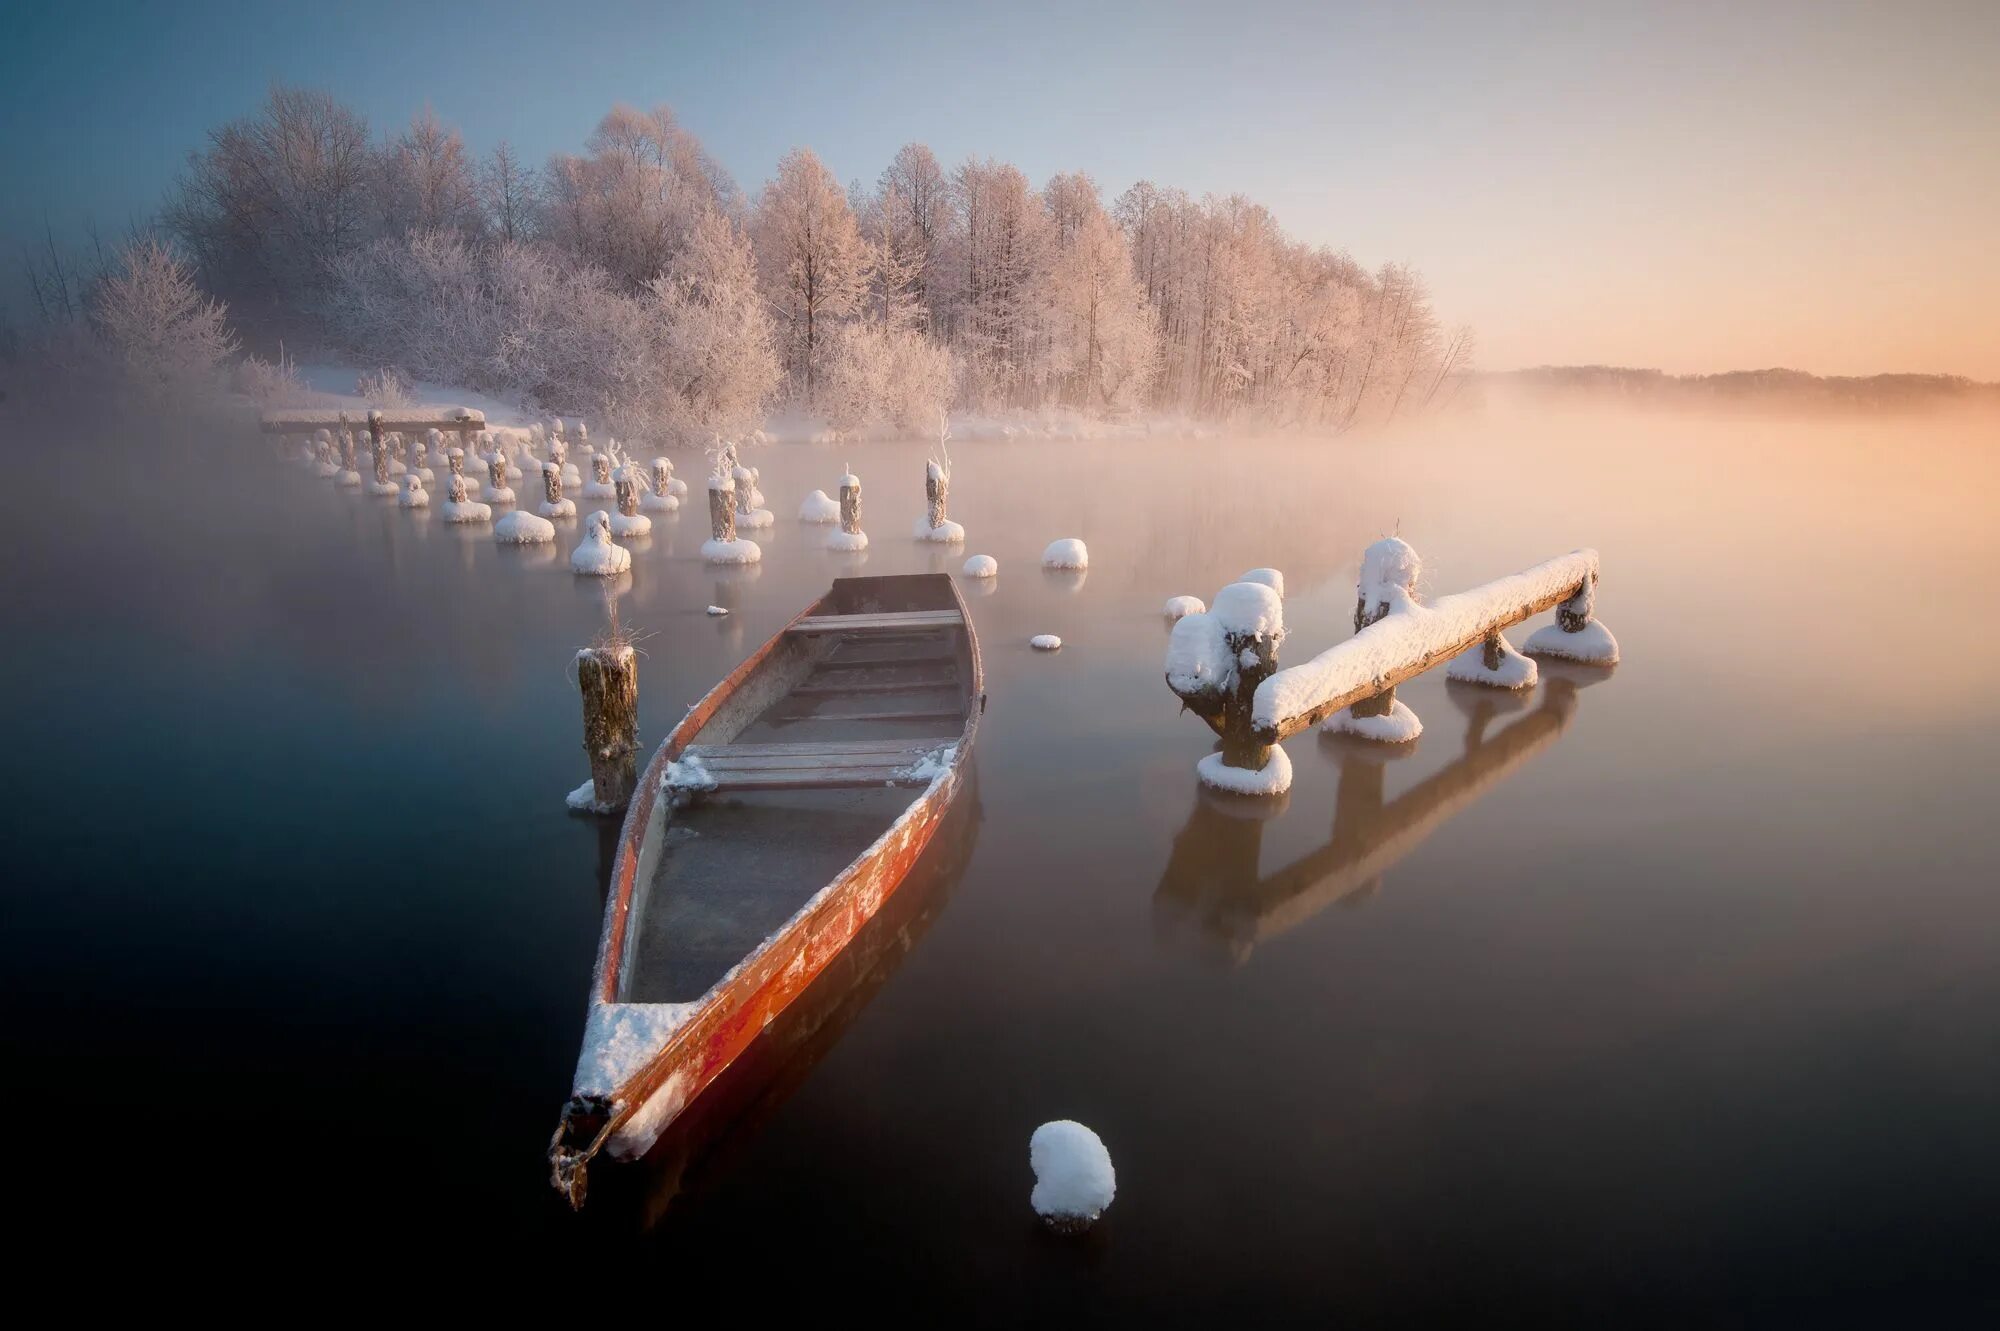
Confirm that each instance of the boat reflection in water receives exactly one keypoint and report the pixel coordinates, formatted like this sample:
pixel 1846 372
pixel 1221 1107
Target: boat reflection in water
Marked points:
pixel 694 1154
pixel 1212 878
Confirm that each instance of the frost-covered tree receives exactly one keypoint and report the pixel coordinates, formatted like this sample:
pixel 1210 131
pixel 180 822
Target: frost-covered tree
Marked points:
pixel 428 183
pixel 510 194
pixel 170 337
pixel 913 199
pixel 1001 253
pixel 277 197
pixel 1101 347
pixel 813 261
pixel 633 199
pixel 717 358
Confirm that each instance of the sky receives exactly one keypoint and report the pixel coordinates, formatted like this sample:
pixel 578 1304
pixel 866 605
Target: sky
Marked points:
pixel 1691 186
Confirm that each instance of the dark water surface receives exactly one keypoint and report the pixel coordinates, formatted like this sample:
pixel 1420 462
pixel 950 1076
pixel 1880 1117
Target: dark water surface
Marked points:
pixel 1665 991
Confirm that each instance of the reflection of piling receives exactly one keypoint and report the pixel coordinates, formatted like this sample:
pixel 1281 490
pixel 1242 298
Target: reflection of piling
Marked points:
pixel 608 678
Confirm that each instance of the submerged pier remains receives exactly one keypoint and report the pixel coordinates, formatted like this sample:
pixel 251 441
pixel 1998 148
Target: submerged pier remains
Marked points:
pixel 1222 663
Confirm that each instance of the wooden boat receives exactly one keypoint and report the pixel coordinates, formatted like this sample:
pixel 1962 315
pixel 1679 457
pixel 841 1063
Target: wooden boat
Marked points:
pixel 771 825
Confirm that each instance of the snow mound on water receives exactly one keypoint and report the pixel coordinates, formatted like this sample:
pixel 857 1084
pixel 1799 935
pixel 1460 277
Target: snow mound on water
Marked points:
pixel 981 566
pixel 636 525
pixel 1398 725
pixel 742 550
pixel 597 556
pixel 1074 1180
pixel 1515 672
pixel 817 507
pixel 945 533
pixel 1180 607
pixel 1594 645
pixel 1045 642
pixel 1066 553
pixel 523 529
pixel 718 610
pixel 469 511
pixel 848 541
pixel 1275 779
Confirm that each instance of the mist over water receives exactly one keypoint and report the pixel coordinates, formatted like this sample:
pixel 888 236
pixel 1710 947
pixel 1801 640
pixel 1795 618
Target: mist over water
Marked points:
pixel 1676 978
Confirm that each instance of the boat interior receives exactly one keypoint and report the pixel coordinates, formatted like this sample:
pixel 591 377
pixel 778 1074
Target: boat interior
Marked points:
pixel 807 761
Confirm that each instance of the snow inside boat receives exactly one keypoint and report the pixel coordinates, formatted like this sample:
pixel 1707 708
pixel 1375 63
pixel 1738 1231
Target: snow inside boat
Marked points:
pixel 772 823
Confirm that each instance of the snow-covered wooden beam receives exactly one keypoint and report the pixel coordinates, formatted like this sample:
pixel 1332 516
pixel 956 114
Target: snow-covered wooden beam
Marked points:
pixel 1410 639
pixel 1222 663
pixel 306 420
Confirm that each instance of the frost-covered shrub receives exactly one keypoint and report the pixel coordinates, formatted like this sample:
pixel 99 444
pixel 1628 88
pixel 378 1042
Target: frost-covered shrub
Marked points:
pixel 883 377
pixel 273 383
pixel 168 335
pixel 385 387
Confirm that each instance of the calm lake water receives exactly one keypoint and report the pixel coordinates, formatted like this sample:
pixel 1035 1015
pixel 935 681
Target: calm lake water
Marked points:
pixel 1665 991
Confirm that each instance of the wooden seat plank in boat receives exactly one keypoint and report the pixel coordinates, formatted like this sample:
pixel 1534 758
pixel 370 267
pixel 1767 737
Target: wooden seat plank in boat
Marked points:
pixel 901 619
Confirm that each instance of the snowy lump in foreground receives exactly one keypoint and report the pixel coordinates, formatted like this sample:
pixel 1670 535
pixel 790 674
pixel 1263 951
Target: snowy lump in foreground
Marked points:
pixel 1180 607
pixel 742 550
pixel 1066 553
pixel 1045 642
pixel 981 566
pixel 1074 1180
pixel 597 555
pixel 818 508
pixel 1515 671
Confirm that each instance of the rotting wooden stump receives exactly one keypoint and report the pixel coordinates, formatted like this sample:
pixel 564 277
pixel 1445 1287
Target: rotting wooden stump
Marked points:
pixel 608 679
pixel 552 483
pixel 627 491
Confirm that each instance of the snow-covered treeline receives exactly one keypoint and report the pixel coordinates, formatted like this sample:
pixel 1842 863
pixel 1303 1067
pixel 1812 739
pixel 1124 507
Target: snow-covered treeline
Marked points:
pixel 636 284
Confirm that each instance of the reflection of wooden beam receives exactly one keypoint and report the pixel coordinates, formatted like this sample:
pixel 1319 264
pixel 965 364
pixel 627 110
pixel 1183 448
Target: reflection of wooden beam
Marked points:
pixel 1215 861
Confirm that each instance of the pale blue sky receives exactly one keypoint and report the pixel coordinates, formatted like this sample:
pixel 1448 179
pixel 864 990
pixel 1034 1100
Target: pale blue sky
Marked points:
pixel 1694 185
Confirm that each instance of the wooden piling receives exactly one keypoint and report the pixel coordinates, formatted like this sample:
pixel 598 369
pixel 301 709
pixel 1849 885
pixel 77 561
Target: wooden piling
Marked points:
pixel 600 466
pixel 608 679
pixel 937 485
pixel 1574 615
pixel 663 475
pixel 850 504
pixel 1241 746
pixel 627 491
pixel 552 483
pixel 1364 615
pixel 722 513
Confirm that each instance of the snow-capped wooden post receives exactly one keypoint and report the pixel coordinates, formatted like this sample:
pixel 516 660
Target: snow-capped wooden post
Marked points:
pixel 627 491
pixel 722 507
pixel 1215 661
pixel 600 467
pixel 346 446
pixel 608 679
pixel 552 485
pixel 850 504
pixel 663 476
pixel 937 485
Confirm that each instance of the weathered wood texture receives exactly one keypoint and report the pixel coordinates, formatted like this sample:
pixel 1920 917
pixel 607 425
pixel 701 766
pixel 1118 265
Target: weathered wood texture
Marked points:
pixel 608 678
